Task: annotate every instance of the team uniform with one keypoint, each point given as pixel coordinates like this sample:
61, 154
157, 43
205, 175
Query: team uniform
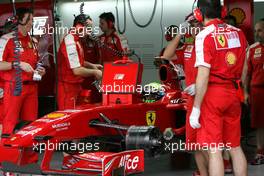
91, 54
70, 56
24, 106
90, 48
256, 73
112, 41
222, 48
1, 101
190, 78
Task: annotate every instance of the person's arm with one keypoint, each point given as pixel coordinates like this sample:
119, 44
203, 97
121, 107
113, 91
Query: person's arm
92, 66
204, 57
4, 66
246, 77
85, 72
169, 52
201, 85
6, 46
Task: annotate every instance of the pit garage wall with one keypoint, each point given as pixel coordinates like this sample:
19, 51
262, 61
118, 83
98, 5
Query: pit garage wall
146, 41
258, 11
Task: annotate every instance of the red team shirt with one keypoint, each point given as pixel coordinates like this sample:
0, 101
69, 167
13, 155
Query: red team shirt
256, 64
91, 53
256, 73
113, 41
222, 48
70, 56
188, 64
28, 54
189, 57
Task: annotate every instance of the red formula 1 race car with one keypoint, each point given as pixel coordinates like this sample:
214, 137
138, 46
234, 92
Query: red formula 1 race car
105, 139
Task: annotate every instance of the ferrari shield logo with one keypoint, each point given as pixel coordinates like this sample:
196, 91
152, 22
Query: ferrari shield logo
221, 40
151, 118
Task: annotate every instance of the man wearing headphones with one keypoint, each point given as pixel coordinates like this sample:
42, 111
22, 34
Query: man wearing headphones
193, 27
110, 38
72, 67
25, 105
220, 58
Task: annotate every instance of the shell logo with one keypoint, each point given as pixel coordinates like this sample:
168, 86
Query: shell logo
239, 14
231, 58
55, 115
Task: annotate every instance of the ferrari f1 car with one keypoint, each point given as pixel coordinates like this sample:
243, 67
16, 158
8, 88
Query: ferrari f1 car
116, 133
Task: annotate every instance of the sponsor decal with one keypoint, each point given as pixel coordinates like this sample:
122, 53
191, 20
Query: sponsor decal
189, 48
29, 128
221, 40
257, 53
129, 163
61, 126
119, 76
55, 115
13, 138
32, 132
239, 14
187, 55
233, 40
39, 24
231, 58
45, 120
151, 118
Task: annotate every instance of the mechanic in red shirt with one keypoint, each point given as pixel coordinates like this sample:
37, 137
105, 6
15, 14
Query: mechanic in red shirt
170, 34
255, 88
91, 54
111, 39
72, 67
24, 106
220, 58
1, 104
188, 61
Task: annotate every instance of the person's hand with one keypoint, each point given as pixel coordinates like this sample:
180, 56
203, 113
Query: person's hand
26, 67
98, 74
246, 98
190, 90
159, 60
98, 66
194, 118
1, 93
41, 71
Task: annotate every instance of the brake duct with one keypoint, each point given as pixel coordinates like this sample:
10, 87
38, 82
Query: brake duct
148, 138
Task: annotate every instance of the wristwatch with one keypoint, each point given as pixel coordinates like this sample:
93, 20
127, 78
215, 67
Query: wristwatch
15, 64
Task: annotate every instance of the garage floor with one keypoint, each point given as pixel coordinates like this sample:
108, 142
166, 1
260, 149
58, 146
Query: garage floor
180, 164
